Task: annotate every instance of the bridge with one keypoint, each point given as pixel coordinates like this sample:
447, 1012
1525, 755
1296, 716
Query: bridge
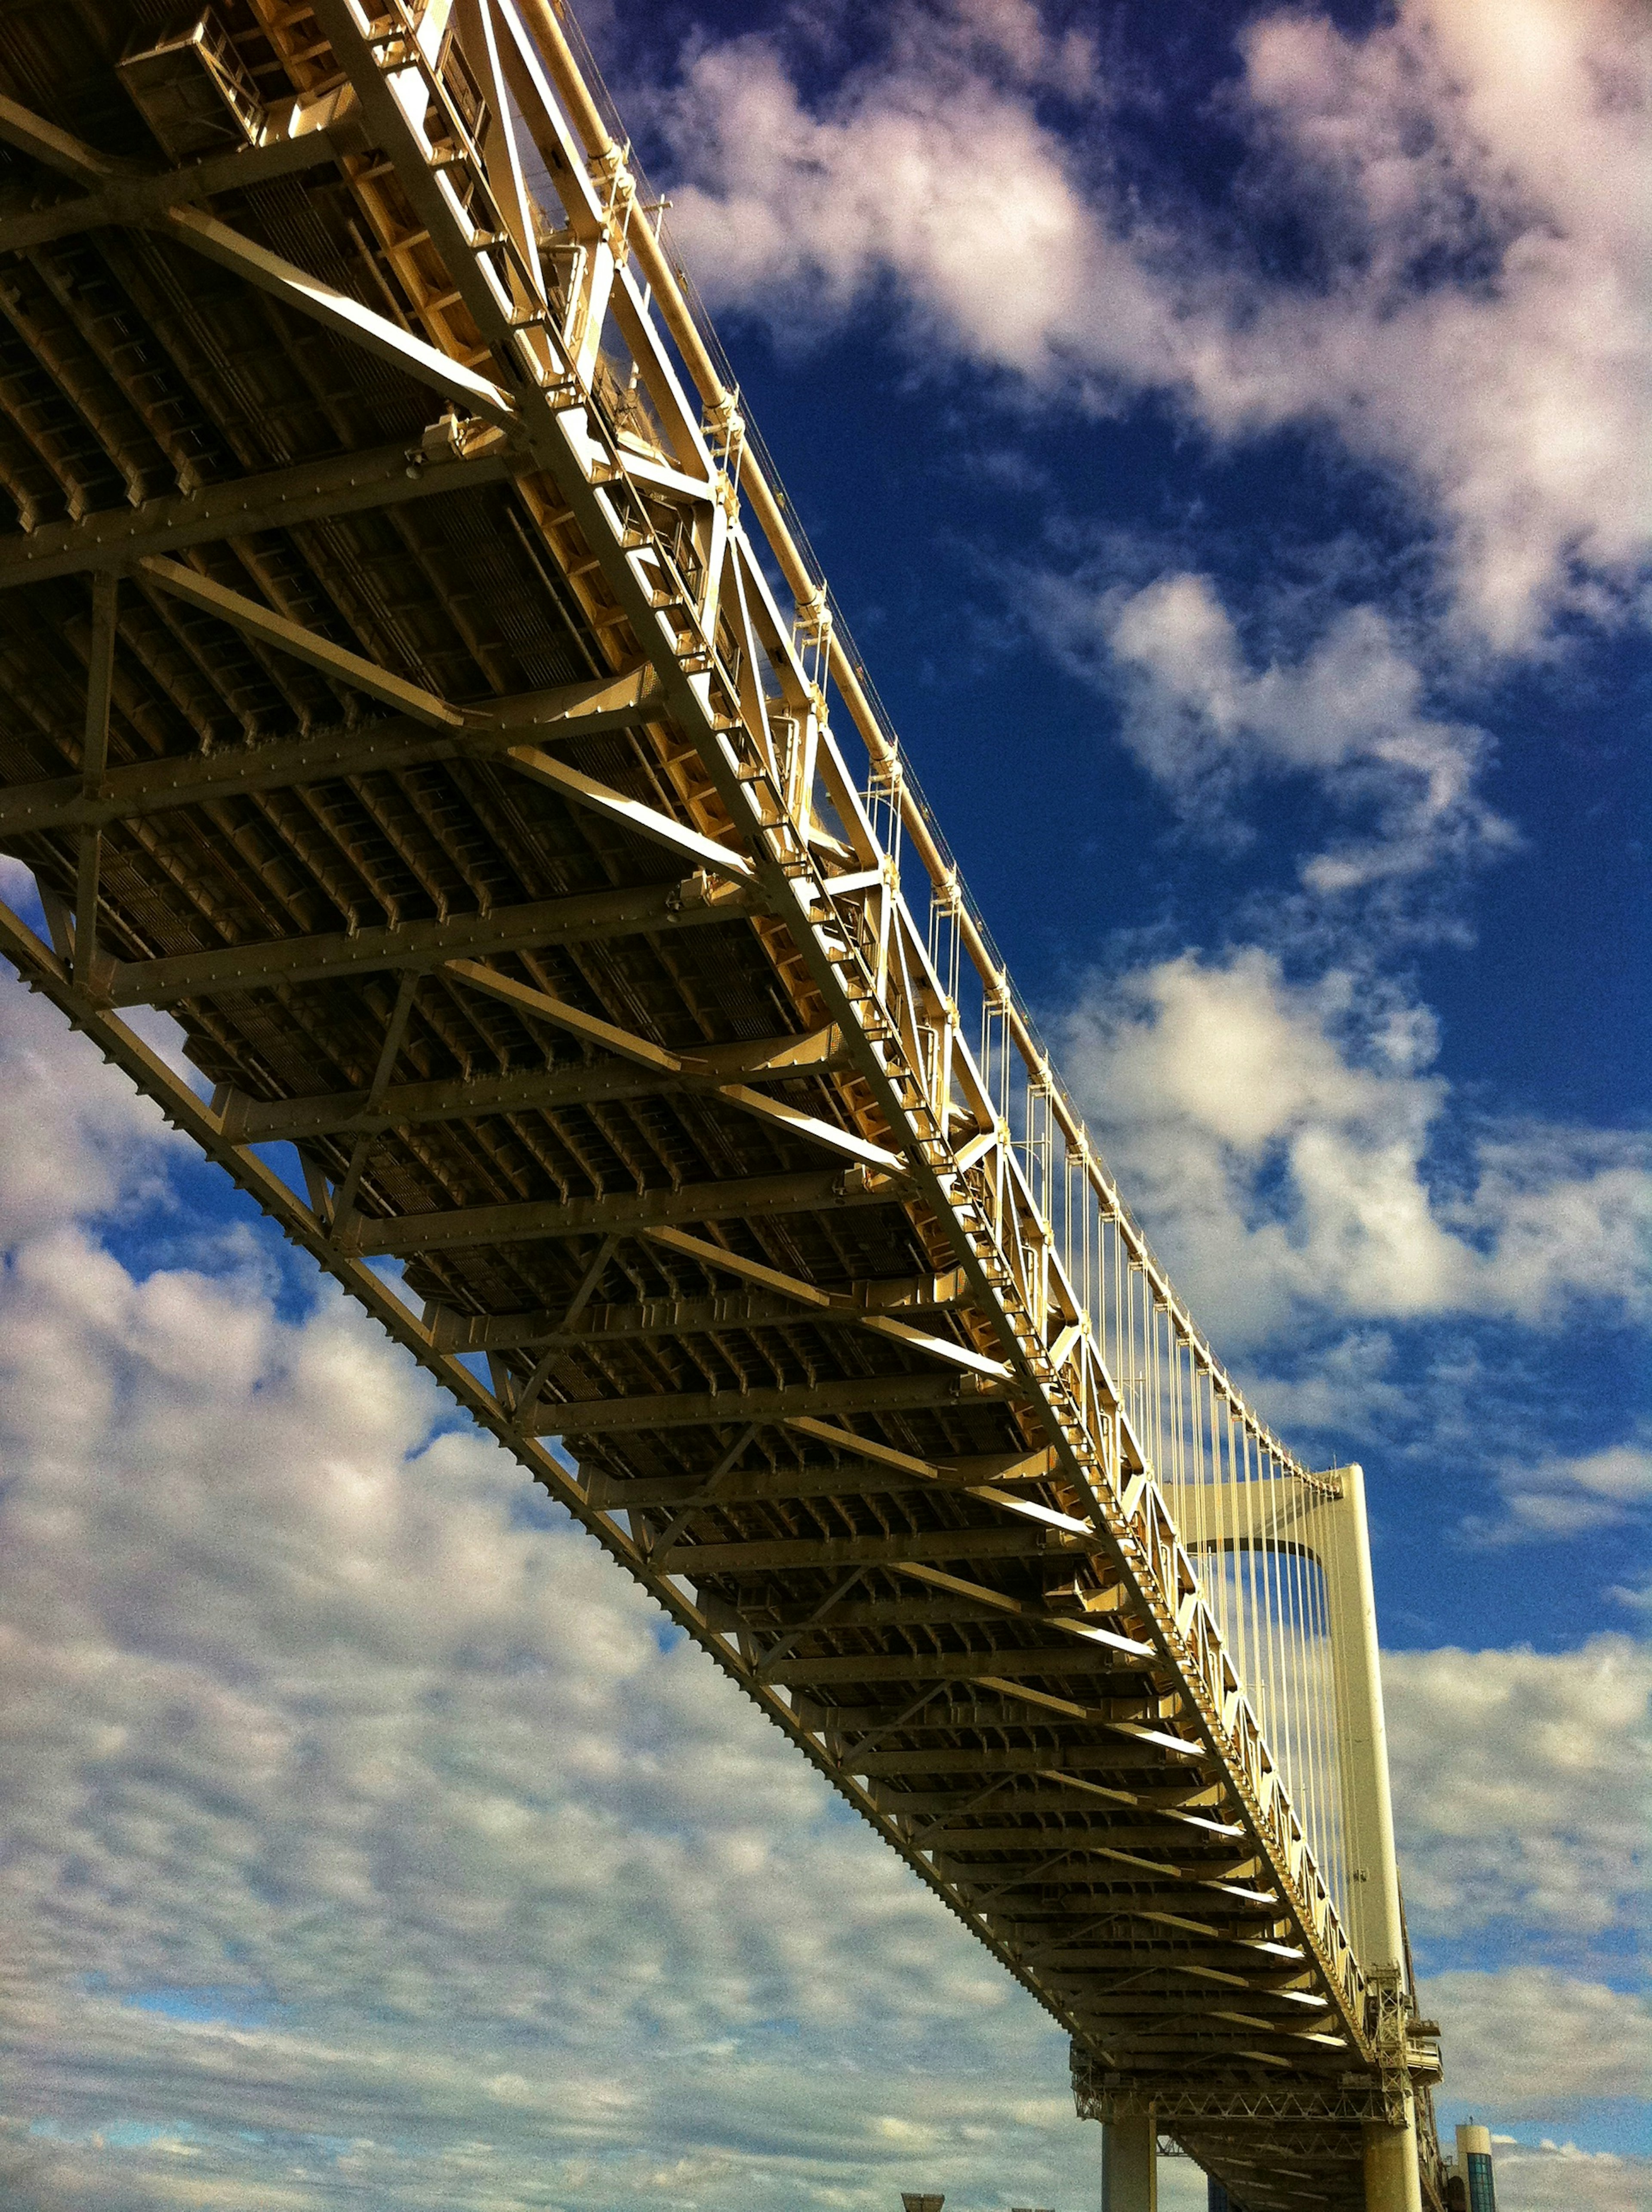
417, 683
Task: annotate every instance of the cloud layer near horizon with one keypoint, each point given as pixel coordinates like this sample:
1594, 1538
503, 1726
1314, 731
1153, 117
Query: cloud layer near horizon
371, 1831
374, 1840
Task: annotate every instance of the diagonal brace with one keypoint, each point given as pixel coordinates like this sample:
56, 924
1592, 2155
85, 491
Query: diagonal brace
181, 582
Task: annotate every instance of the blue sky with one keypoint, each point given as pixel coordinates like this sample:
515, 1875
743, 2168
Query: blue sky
1226, 430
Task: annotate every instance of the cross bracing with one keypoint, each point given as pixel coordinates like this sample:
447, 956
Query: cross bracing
416, 683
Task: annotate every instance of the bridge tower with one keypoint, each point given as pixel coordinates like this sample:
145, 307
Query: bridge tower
1327, 1527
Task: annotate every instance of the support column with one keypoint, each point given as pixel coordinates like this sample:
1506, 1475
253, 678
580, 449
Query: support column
1392, 2166
1130, 2165
1394, 2181
1345, 1548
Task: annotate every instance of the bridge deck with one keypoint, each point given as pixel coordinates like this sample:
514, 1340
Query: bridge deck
428, 743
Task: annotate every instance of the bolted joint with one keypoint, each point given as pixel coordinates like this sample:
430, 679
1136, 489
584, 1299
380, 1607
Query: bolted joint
813, 622
619, 188
723, 422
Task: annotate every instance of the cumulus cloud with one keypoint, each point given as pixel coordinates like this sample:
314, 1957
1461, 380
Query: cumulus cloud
1471, 313
1350, 714
98, 1140
372, 1834
1521, 1780
1548, 1496
931, 175
1557, 2177
368, 1834
1487, 310
1276, 1138
1537, 2043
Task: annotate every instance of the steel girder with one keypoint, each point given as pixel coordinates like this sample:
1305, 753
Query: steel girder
889, 1481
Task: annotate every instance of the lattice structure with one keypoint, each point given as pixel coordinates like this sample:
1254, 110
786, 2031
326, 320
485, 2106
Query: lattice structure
416, 684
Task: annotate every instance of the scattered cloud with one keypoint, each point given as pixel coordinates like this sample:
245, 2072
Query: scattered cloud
1484, 311
1558, 2177
1538, 2044
1344, 1384
1276, 1138
375, 1835
1545, 1497
1468, 313
1350, 714
101, 1141
1521, 1780
372, 1834
1636, 1596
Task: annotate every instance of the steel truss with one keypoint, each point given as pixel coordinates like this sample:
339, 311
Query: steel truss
848, 1347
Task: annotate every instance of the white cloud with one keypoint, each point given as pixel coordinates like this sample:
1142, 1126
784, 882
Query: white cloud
371, 1838
1350, 714
1551, 2177
1636, 1596
930, 172
65, 1141
1520, 1781
1474, 318
1275, 1139
1549, 1496
1503, 141
1349, 1385
1531, 2044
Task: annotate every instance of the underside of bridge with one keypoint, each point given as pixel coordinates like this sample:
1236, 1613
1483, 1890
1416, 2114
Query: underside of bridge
413, 683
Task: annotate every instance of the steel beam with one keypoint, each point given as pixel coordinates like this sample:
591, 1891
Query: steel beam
863, 1477
1043, 1662
588, 920
525, 999
1084, 1631
408, 1105
117, 192
852, 1305
720, 1260
1179, 2004
1012, 1708
945, 1808
275, 499
144, 788
1086, 1841
628, 1211
747, 1309
305, 295
266, 627
766, 1554
938, 1611
631, 814
797, 1123
622, 1324
399, 131
982, 1759
57, 148
95, 754
713, 1408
